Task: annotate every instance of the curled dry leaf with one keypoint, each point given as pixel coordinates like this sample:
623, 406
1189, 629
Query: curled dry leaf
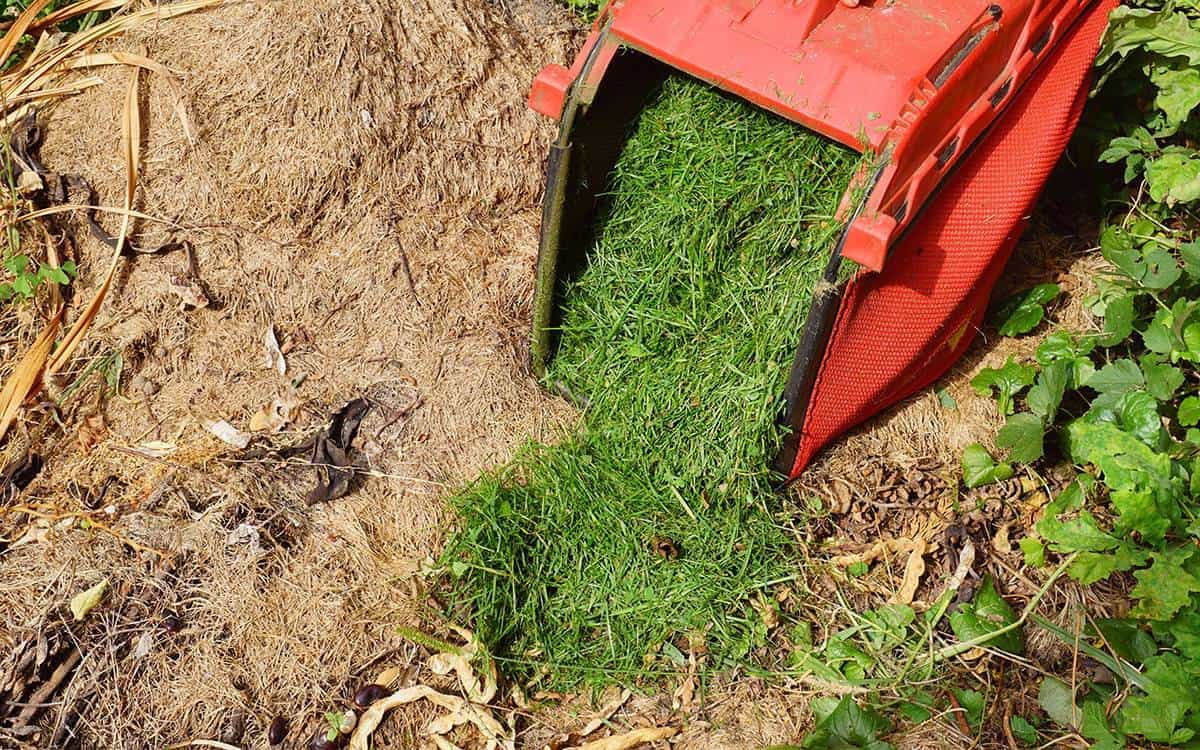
477, 689
914, 568
275, 359
92, 431
480, 716
227, 433
631, 739
273, 417
85, 601
606, 713
876, 551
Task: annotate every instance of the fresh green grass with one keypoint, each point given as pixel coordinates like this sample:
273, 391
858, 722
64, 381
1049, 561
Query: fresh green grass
680, 334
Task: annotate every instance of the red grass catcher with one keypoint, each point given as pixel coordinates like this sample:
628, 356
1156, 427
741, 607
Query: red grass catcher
968, 105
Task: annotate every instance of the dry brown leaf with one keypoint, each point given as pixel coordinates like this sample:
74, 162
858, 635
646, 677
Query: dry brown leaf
631, 739
98, 59
74, 10
683, 695
606, 713
479, 690
227, 433
457, 707
85, 601
20, 26
1001, 542
876, 551
276, 415
24, 378
914, 568
92, 431
274, 359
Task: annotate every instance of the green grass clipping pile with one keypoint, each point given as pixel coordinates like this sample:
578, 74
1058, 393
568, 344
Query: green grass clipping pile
654, 522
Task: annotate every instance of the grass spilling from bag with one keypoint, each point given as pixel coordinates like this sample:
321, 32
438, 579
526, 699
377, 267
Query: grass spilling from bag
654, 522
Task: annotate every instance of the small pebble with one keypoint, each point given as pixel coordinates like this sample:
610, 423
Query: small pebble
143, 385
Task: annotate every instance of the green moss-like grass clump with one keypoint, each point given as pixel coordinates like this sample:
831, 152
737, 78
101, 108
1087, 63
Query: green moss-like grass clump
653, 521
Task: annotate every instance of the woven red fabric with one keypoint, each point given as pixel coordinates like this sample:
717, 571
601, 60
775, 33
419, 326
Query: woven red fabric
899, 330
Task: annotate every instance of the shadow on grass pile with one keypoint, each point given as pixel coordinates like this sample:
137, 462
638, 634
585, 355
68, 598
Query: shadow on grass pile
654, 521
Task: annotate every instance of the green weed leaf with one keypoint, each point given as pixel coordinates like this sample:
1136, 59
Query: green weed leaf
1022, 312
1006, 381
843, 725
984, 615
1023, 436
979, 468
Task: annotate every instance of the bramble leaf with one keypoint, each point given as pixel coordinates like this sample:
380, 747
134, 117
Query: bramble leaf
1117, 376
1166, 586
1162, 379
1046, 395
1023, 436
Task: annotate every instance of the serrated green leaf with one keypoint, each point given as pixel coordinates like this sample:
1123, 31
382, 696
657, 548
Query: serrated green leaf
1023, 436
972, 703
1138, 512
1166, 586
1046, 395
1162, 270
1168, 34
1134, 412
1127, 639
946, 400
1174, 176
1033, 551
1172, 691
1162, 379
979, 468
1117, 376
1118, 320
1123, 459
16, 264
1023, 730
1057, 700
1117, 247
1189, 411
1095, 726
1178, 92
845, 725
1190, 253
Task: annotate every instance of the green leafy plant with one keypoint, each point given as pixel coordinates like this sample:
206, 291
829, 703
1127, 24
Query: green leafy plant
28, 277
1022, 312
1122, 402
844, 725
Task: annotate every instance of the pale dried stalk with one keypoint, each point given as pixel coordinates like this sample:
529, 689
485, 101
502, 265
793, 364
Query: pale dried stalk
131, 141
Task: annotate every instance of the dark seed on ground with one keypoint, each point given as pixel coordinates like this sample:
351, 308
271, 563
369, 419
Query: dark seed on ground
368, 694
320, 741
277, 732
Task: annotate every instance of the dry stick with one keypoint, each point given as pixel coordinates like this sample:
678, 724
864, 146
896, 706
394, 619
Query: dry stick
25, 377
13, 36
48, 687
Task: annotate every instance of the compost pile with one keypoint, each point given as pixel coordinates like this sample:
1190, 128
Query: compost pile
588, 554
